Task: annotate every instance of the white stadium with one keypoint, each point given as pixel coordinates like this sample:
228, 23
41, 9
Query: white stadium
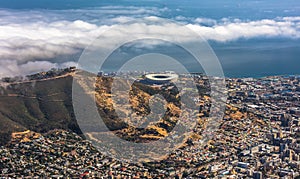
161, 78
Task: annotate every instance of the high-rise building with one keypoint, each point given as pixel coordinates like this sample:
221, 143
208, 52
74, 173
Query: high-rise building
257, 175
285, 120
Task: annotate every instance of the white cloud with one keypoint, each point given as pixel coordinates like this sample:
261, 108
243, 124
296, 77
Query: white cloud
205, 21
228, 31
29, 39
290, 18
12, 68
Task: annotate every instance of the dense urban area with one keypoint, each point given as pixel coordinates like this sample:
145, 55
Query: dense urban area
259, 137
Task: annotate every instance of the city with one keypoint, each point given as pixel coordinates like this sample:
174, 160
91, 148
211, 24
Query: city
257, 138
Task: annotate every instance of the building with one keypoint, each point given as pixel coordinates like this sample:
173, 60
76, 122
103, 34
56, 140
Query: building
257, 175
161, 78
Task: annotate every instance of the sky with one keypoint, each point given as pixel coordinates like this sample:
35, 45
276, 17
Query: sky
250, 37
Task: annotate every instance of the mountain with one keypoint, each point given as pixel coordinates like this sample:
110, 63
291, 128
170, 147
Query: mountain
43, 102
40, 103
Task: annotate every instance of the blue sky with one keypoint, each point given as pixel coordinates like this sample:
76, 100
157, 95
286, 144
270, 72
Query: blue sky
38, 35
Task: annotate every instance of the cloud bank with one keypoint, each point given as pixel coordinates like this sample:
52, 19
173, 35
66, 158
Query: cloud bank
28, 40
232, 30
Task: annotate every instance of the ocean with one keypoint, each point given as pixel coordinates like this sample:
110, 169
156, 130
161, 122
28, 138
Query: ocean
247, 55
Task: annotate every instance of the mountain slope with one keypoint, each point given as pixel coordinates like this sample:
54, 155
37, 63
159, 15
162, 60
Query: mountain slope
39, 105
